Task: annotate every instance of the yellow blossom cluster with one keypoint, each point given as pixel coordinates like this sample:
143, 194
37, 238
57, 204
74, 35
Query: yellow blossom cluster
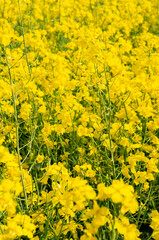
119, 192
155, 224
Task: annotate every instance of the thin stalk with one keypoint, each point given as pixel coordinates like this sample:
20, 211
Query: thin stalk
109, 123
25, 48
113, 236
17, 129
141, 207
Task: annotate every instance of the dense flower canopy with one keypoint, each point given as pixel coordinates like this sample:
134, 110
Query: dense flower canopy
79, 111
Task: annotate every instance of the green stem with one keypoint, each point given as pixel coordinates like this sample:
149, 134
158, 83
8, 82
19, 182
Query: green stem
17, 129
26, 54
108, 122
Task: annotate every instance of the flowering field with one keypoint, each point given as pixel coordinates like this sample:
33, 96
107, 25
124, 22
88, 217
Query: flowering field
79, 119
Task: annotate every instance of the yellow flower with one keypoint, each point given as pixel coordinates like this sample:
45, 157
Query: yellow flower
155, 224
125, 228
40, 158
